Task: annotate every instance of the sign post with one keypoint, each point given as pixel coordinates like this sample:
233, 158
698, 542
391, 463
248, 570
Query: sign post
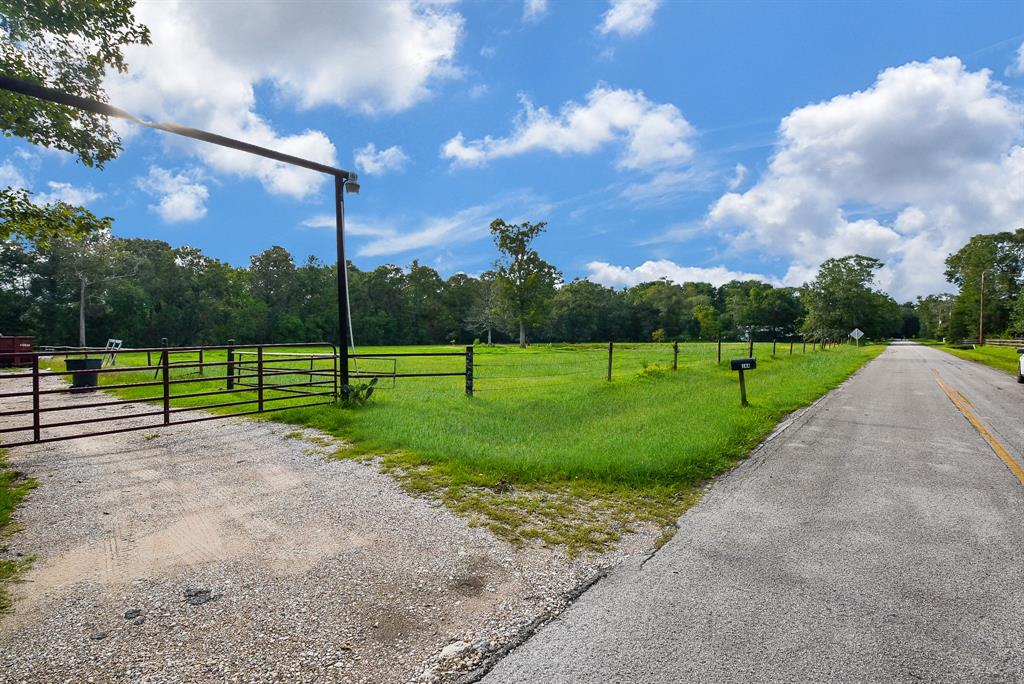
856, 334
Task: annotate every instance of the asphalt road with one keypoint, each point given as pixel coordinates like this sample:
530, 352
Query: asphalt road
879, 538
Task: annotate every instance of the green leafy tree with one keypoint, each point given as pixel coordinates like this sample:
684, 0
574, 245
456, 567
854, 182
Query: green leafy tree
709, 321
68, 45
842, 298
1000, 256
526, 283
42, 224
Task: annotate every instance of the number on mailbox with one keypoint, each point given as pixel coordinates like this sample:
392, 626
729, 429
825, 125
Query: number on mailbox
744, 364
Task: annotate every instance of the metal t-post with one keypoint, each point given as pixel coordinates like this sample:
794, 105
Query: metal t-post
339, 202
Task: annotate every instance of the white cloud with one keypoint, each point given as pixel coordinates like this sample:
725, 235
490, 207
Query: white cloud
628, 17
611, 275
354, 228
739, 175
1017, 68
534, 10
654, 135
182, 196
478, 91
462, 226
377, 162
931, 144
10, 176
68, 193
207, 58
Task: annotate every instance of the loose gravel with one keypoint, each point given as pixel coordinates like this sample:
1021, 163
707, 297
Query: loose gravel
229, 551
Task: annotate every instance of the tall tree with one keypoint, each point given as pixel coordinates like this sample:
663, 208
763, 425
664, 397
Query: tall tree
842, 298
1000, 257
526, 283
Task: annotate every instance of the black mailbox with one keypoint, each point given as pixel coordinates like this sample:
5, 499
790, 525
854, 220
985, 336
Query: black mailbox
744, 364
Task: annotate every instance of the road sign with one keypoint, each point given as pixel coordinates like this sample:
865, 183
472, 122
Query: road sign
856, 334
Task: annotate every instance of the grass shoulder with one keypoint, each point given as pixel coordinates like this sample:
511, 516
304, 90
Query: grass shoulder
14, 487
1005, 359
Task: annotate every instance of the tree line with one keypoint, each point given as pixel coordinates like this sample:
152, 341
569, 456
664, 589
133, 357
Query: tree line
988, 271
84, 290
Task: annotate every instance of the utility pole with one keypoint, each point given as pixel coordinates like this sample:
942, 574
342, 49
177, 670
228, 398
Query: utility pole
981, 311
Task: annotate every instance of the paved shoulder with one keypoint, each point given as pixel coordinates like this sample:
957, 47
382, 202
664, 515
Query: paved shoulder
879, 538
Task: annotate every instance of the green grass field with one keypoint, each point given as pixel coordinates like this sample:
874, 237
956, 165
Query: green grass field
546, 419
1002, 358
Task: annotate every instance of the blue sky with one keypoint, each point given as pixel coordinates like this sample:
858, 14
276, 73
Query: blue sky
657, 139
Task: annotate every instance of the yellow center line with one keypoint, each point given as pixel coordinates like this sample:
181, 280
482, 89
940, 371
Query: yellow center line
959, 401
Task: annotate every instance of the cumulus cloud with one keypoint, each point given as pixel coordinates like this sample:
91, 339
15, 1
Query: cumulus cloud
181, 196
68, 193
377, 162
628, 17
906, 171
653, 136
611, 275
534, 10
207, 57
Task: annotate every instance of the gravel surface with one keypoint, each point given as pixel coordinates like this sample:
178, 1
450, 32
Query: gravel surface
226, 551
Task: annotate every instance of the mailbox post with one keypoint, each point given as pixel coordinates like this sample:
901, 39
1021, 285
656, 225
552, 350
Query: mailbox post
741, 365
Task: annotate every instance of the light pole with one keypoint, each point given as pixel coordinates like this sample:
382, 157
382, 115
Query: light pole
981, 310
341, 186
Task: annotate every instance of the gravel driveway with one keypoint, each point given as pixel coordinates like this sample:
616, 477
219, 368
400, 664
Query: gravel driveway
227, 551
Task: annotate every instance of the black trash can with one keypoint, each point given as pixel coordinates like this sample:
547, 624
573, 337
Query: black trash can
84, 382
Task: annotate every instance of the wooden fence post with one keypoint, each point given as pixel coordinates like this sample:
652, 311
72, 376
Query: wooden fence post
719, 350
469, 371
201, 369
611, 346
675, 355
773, 348
791, 346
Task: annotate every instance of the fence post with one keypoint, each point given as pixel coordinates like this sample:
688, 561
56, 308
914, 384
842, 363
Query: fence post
231, 365
166, 369
611, 346
675, 355
719, 350
791, 346
469, 370
201, 369
35, 398
259, 377
773, 348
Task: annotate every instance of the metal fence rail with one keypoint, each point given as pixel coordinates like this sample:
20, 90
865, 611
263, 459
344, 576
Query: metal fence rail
299, 379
